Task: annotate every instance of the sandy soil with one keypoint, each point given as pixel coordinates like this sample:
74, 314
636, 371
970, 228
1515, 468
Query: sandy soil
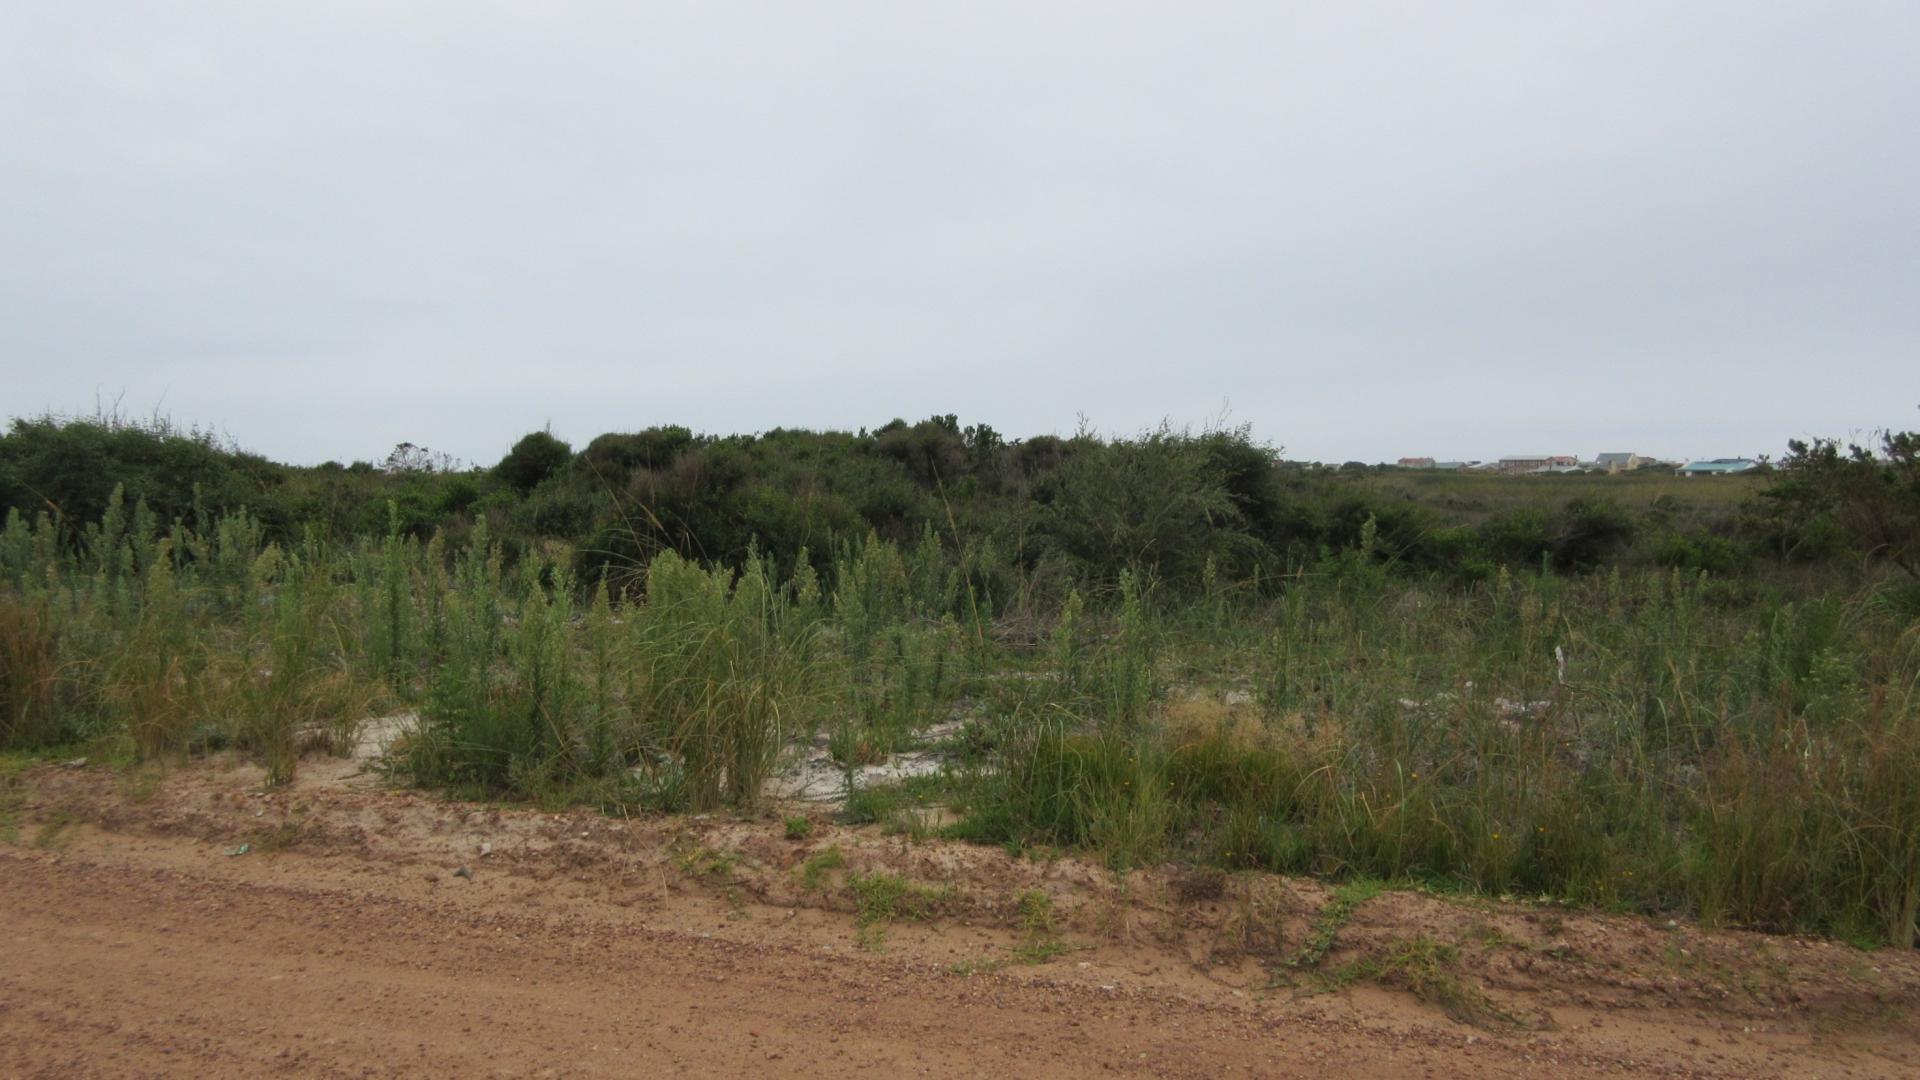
365, 931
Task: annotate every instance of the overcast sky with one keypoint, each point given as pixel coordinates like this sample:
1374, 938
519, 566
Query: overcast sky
1366, 229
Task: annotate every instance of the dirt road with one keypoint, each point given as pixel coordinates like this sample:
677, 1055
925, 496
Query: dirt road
343, 943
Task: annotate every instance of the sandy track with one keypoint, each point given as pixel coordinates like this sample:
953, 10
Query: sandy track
116, 969
135, 947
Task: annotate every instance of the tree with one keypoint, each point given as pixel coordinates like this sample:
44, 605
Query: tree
408, 458
614, 455
1872, 496
933, 451
535, 457
70, 468
1156, 503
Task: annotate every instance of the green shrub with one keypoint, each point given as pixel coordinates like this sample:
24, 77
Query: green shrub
1699, 551
536, 457
1589, 532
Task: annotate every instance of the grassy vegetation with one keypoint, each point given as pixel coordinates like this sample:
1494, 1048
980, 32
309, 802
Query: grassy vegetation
1430, 971
882, 898
1538, 699
705, 862
1338, 912
816, 867
11, 795
1476, 496
1040, 939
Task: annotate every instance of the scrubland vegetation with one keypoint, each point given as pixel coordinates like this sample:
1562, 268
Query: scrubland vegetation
1697, 697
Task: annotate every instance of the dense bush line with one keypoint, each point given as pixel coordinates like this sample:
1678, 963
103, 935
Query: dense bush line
1045, 512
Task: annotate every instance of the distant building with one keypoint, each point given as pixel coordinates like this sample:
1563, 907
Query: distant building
1415, 463
1537, 463
1725, 466
1619, 462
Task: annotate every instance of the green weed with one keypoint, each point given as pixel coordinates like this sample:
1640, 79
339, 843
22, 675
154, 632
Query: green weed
706, 862
1430, 971
881, 898
1338, 911
1040, 939
815, 868
52, 834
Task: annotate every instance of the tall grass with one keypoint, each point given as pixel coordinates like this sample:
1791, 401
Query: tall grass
157, 640
1744, 749
1654, 742
726, 667
29, 673
686, 699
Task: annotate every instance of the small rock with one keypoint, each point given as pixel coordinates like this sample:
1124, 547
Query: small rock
486, 849
464, 872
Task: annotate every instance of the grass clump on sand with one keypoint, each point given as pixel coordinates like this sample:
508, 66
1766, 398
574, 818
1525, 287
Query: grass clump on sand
815, 868
881, 898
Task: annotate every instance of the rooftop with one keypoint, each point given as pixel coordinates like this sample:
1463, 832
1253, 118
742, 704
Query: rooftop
1720, 465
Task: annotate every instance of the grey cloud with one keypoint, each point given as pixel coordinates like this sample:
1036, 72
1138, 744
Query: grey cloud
1367, 229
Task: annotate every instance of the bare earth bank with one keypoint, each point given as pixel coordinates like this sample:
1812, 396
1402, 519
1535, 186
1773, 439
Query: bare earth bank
363, 931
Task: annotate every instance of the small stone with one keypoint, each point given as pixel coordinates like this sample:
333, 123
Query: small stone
464, 872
